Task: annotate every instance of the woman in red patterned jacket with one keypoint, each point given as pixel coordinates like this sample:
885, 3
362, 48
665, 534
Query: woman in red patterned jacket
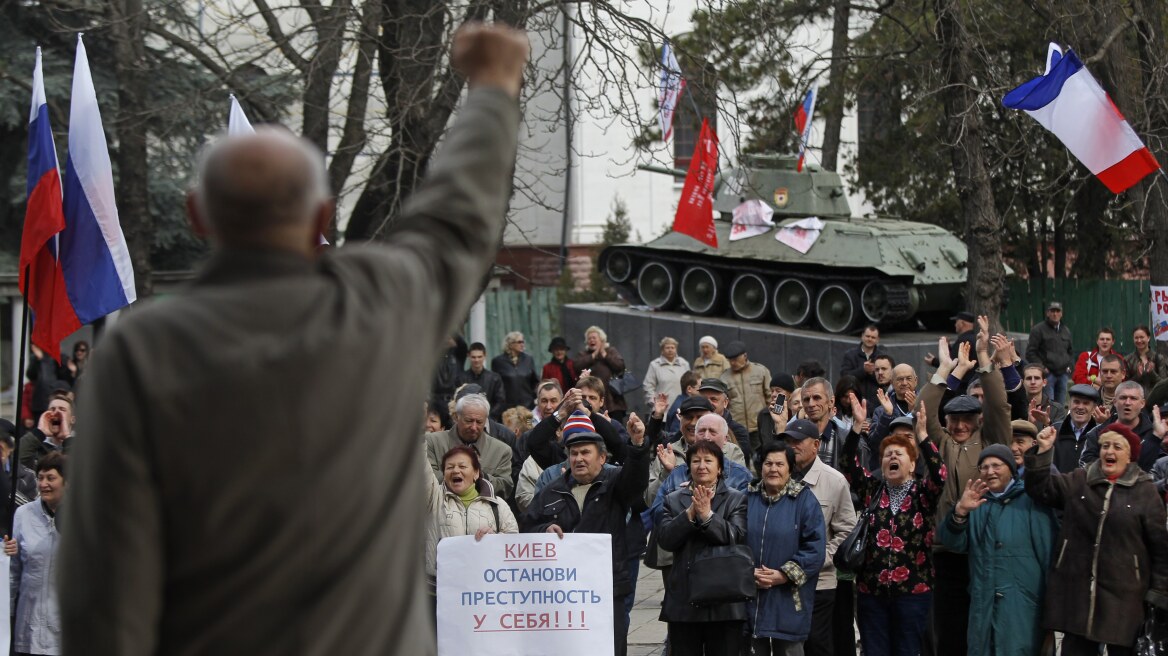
896, 582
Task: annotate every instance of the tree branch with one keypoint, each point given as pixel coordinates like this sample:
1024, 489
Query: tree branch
282, 42
1132, 21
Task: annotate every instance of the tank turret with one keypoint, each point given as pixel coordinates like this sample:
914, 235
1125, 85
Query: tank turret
858, 270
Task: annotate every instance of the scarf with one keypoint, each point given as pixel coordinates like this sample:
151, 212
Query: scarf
565, 372
791, 489
896, 495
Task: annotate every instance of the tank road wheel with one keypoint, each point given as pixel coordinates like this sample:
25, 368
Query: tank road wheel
701, 290
657, 285
874, 301
792, 302
749, 296
837, 308
618, 267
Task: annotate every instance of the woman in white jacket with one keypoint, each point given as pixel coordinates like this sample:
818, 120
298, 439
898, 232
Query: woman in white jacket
464, 503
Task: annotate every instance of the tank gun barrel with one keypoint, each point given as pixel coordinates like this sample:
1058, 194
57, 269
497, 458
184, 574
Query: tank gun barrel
665, 170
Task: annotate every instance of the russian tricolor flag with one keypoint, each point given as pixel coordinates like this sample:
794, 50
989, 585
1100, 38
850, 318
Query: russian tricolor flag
803, 123
53, 315
94, 257
1068, 101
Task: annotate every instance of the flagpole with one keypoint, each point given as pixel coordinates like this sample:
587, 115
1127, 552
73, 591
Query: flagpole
14, 474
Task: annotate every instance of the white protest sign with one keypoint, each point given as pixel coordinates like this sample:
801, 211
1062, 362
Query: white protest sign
525, 593
1160, 313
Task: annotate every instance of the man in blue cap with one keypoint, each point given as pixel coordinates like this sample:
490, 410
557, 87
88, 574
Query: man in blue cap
592, 498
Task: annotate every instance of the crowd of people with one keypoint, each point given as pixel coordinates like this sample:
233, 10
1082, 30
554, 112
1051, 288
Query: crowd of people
1009, 497
974, 520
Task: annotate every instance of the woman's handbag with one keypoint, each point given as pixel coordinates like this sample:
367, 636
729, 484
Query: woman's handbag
1153, 640
850, 555
721, 574
624, 383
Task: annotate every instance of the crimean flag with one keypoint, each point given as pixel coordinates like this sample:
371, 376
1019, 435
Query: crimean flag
53, 315
803, 123
671, 87
695, 210
94, 256
1069, 102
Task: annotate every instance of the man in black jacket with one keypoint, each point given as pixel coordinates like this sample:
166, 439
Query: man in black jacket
591, 499
860, 363
1073, 431
1049, 347
489, 381
1129, 411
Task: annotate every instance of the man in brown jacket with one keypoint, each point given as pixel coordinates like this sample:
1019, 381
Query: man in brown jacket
968, 429
248, 481
750, 387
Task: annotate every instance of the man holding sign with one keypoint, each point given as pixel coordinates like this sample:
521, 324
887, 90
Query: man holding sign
589, 498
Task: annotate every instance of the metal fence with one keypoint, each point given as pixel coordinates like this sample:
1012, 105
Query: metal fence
536, 314
1088, 305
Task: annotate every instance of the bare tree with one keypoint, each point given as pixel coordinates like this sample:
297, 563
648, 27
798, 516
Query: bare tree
983, 225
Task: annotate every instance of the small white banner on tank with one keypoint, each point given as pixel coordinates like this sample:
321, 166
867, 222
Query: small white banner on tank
751, 219
801, 235
1160, 312
520, 594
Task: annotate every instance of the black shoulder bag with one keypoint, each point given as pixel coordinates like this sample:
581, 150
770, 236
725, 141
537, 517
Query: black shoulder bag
850, 555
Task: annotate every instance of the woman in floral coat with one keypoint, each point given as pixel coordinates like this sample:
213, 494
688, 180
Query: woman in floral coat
896, 582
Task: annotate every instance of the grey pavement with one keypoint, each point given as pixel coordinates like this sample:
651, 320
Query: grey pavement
646, 632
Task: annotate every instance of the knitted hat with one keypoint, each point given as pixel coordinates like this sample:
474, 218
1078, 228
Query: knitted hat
1119, 430
580, 427
708, 340
1001, 452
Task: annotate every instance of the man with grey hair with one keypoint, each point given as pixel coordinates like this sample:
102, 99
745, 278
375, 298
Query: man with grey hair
310, 541
819, 408
471, 415
1129, 411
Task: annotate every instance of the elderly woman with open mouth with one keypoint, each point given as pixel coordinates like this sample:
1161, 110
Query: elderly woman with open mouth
895, 584
1112, 553
1009, 538
464, 503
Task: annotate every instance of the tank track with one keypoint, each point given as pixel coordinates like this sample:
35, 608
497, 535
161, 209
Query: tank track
899, 307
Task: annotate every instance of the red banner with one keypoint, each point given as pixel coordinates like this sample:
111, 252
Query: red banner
695, 211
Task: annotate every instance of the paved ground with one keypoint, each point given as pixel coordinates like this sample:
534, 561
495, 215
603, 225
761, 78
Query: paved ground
646, 632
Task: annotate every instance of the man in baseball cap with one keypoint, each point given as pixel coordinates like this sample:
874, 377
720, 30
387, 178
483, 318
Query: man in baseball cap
839, 518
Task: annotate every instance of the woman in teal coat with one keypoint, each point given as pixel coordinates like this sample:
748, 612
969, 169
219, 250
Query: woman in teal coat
1009, 538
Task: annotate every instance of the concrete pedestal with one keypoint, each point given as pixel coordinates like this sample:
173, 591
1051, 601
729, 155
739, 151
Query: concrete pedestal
636, 334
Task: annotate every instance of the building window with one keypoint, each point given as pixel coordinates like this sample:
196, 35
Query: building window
687, 124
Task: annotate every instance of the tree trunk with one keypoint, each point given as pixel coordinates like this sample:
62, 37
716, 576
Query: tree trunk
1151, 43
128, 20
833, 109
983, 225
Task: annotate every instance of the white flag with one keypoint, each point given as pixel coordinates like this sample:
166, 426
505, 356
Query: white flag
237, 123
672, 85
239, 126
